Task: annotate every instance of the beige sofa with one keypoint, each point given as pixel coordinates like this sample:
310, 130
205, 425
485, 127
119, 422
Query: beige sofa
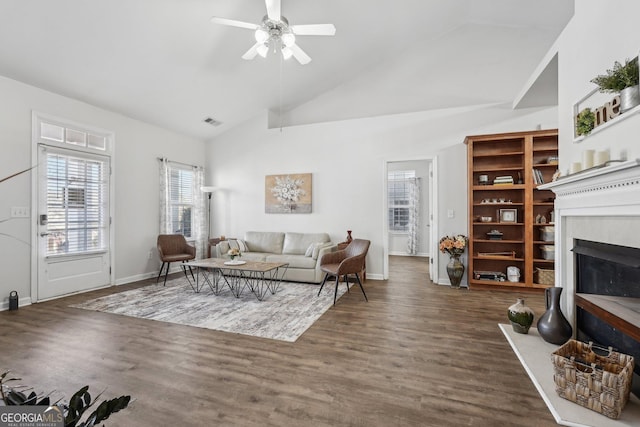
302, 251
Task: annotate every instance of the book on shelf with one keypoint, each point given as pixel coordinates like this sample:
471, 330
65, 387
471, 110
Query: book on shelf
537, 176
503, 180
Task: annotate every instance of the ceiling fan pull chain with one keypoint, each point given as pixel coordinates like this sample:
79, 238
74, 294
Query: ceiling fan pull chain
281, 71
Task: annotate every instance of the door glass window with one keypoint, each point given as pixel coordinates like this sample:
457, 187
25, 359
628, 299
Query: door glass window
76, 203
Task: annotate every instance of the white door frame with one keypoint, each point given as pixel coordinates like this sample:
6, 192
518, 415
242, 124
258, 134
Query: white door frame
433, 194
35, 142
434, 244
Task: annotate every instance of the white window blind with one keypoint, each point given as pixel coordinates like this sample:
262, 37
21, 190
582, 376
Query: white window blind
399, 201
77, 196
182, 201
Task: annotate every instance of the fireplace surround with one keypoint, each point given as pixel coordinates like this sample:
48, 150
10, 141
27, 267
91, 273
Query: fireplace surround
608, 298
596, 205
597, 214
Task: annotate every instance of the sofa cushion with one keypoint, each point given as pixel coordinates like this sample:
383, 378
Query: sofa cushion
295, 261
298, 243
264, 241
253, 256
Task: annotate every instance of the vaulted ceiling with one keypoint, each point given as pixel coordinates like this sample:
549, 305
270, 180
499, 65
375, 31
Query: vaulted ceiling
164, 62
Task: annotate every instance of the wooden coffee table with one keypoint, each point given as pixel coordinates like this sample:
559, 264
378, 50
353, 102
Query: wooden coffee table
257, 276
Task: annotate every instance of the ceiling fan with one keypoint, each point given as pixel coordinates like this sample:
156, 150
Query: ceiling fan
275, 33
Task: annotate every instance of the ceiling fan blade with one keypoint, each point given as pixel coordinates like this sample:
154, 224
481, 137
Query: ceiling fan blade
234, 23
299, 54
273, 9
251, 53
314, 30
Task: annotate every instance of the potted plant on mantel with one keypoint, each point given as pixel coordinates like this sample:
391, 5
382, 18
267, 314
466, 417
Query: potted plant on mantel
585, 122
623, 79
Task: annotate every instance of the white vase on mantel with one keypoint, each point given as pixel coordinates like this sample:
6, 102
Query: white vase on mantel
629, 98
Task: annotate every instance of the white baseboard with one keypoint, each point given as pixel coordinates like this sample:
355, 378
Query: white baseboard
145, 276
419, 254
444, 282
136, 278
23, 301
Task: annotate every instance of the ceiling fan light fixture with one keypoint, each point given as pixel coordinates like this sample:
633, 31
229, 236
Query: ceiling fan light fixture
288, 39
286, 52
263, 49
261, 35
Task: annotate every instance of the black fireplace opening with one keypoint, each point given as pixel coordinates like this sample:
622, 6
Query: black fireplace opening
612, 271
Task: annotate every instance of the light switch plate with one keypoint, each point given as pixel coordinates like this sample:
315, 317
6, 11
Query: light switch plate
19, 212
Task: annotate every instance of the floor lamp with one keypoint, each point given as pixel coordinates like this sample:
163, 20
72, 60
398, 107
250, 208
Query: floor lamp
209, 191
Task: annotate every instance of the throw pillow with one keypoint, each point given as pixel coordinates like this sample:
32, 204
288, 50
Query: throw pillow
233, 244
223, 247
242, 245
309, 250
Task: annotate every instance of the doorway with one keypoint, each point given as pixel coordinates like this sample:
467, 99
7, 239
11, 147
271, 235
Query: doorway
410, 222
72, 230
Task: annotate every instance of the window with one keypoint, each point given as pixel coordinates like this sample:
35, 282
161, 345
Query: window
77, 203
181, 201
52, 132
399, 202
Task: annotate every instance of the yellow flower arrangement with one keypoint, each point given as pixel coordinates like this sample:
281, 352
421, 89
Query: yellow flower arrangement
234, 252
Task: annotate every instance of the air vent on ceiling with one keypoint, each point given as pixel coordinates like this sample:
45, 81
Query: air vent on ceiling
212, 121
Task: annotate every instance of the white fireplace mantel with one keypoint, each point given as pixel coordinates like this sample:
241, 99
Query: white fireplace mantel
610, 186
600, 204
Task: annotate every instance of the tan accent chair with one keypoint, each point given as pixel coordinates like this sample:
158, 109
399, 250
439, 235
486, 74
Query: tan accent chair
349, 260
174, 248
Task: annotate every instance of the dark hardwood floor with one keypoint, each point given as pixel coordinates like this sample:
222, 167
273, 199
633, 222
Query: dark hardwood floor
417, 354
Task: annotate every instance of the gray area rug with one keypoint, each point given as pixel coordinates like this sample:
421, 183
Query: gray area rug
283, 316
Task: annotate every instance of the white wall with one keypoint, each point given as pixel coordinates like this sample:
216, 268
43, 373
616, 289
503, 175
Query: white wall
346, 159
398, 241
598, 35
135, 163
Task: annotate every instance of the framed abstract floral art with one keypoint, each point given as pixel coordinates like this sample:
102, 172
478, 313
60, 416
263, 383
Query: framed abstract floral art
287, 193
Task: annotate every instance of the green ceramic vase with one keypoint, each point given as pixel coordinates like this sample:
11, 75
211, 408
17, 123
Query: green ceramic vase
520, 316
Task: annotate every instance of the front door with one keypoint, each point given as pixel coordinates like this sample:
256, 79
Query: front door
73, 222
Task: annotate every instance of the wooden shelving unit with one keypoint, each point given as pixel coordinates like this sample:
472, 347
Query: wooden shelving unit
511, 154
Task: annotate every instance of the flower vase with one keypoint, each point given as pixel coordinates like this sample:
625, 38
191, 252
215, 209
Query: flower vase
520, 316
629, 98
553, 327
455, 270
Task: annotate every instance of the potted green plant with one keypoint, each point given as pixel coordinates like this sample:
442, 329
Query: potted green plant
585, 122
72, 412
623, 79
